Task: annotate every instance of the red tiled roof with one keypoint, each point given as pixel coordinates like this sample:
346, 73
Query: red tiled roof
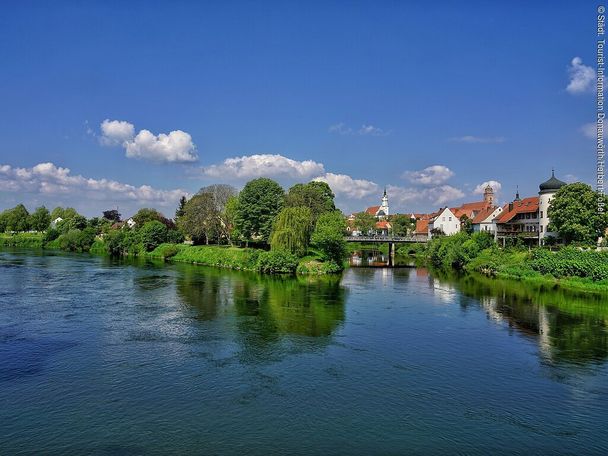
525, 206
484, 214
422, 226
372, 210
383, 225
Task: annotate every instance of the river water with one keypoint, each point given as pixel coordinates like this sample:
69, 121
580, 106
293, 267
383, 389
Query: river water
101, 356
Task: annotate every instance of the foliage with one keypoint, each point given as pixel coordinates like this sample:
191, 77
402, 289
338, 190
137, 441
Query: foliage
223, 257
50, 235
40, 219
458, 250
259, 203
402, 224
466, 224
76, 240
152, 234
146, 215
179, 212
200, 220
571, 262
316, 196
277, 262
114, 242
364, 222
574, 215
315, 267
328, 236
29, 240
15, 219
112, 215
292, 230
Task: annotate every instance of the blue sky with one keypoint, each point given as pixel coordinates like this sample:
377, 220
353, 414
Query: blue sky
361, 94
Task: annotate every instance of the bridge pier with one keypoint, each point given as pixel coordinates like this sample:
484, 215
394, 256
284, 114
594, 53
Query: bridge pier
391, 254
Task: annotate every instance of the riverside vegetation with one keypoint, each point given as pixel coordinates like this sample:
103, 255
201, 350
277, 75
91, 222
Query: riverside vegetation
569, 266
262, 229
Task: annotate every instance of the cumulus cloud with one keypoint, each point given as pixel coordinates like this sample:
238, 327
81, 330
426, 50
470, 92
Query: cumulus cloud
50, 180
365, 130
497, 186
116, 132
478, 139
432, 175
436, 196
264, 165
589, 130
175, 147
582, 77
342, 184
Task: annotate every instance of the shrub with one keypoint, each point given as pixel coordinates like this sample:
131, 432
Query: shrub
77, 240
153, 234
277, 262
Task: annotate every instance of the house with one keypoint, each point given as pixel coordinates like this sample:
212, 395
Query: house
519, 219
130, 222
528, 218
485, 219
383, 228
421, 231
446, 221
55, 222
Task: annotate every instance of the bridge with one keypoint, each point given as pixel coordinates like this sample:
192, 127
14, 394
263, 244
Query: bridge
383, 239
390, 240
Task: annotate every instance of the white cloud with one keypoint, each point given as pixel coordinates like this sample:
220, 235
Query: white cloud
116, 132
432, 175
365, 130
436, 196
174, 147
497, 186
582, 77
571, 178
342, 184
51, 181
264, 165
478, 139
589, 130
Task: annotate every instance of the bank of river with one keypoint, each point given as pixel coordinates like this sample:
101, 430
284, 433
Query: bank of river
119, 356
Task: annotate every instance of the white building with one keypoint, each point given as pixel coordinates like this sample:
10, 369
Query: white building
485, 220
446, 221
545, 195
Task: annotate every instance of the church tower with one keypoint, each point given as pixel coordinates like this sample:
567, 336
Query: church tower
384, 206
488, 195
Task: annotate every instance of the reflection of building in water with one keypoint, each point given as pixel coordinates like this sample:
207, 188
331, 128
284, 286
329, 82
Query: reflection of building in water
445, 291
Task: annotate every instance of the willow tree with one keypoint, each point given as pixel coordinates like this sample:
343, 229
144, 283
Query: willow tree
291, 230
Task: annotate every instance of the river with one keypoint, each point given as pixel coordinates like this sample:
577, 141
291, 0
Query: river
103, 356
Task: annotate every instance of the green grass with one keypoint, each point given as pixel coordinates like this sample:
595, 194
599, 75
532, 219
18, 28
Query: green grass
29, 240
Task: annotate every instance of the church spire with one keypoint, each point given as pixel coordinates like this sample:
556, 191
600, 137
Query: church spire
517, 198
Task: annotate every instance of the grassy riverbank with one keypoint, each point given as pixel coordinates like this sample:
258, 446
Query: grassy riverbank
26, 240
568, 267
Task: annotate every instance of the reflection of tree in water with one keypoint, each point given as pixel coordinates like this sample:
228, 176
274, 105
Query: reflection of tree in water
266, 308
285, 305
569, 326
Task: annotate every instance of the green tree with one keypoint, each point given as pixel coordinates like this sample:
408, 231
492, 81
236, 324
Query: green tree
153, 234
328, 236
179, 212
17, 219
259, 203
364, 222
466, 224
574, 214
112, 215
229, 217
201, 219
40, 219
146, 215
402, 224
292, 230
317, 196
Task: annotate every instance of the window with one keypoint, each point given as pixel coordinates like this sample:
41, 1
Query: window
450, 219
541, 214
541, 228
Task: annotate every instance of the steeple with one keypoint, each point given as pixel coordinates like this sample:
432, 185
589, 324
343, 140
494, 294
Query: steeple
517, 198
488, 195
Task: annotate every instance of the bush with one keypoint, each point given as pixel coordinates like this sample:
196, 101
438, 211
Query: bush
277, 262
328, 236
153, 234
77, 240
571, 262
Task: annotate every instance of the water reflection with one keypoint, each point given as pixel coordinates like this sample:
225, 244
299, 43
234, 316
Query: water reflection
569, 327
311, 306
377, 259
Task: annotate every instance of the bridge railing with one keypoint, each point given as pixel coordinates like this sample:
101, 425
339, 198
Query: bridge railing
384, 239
